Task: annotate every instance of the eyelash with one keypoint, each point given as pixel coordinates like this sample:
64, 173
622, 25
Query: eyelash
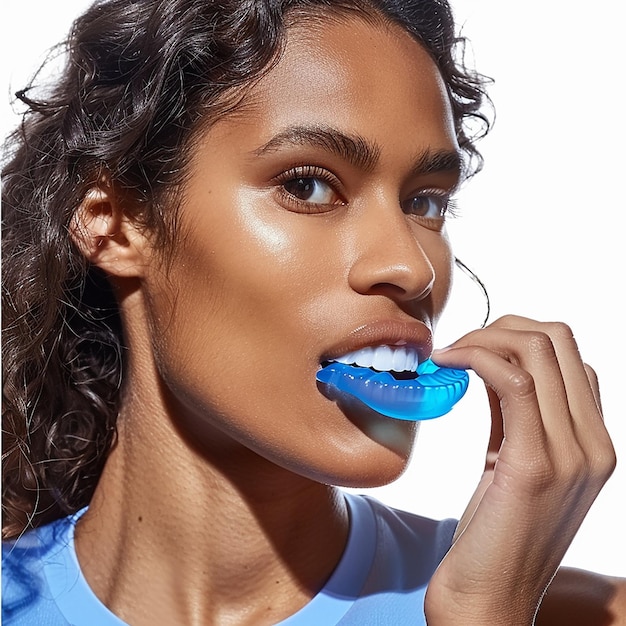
453, 209
450, 205
437, 223
315, 172
308, 172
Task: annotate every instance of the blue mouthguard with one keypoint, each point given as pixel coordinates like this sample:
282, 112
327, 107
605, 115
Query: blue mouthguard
432, 394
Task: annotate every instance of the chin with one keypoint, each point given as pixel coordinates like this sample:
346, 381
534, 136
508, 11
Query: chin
379, 454
369, 465
369, 481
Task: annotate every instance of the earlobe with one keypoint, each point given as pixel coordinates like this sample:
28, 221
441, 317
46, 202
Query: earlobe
107, 235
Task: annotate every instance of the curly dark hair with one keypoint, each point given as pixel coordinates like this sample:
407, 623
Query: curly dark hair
140, 76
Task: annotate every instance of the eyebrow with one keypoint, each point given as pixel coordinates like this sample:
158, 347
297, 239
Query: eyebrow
357, 150
435, 161
353, 148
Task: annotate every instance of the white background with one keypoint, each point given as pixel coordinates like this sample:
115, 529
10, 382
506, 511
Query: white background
541, 225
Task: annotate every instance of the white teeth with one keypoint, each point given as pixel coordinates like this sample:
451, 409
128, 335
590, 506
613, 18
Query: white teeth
383, 358
364, 357
399, 358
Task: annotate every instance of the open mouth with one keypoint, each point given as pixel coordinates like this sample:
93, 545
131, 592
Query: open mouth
390, 381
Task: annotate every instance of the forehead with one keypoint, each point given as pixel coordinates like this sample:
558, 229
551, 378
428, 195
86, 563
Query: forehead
357, 75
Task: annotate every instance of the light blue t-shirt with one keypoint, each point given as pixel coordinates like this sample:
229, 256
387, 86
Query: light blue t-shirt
380, 580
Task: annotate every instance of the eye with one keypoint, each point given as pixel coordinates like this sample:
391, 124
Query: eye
310, 189
427, 204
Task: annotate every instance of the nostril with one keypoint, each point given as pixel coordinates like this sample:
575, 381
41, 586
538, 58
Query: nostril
400, 292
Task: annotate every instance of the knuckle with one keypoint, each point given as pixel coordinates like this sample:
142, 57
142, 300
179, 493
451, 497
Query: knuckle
604, 462
571, 469
539, 344
567, 472
559, 331
539, 474
521, 383
575, 464
593, 467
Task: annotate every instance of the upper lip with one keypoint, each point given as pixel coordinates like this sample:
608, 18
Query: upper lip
413, 334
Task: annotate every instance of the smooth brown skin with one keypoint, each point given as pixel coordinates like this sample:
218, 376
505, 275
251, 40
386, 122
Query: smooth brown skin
548, 449
214, 506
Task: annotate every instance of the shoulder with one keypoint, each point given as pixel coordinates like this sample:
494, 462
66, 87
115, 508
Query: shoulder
428, 535
389, 559
579, 597
406, 545
26, 594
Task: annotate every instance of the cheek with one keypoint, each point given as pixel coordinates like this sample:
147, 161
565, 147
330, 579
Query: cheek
263, 395
237, 326
235, 307
439, 252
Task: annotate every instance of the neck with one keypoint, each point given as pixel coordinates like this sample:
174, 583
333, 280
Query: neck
176, 534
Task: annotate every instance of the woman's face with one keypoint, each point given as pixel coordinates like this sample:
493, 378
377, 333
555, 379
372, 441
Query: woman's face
312, 226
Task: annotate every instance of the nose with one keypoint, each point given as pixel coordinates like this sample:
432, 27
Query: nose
389, 259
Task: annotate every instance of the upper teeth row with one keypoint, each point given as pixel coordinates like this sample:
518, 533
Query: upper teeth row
383, 358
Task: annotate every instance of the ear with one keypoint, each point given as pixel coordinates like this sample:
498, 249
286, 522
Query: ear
107, 235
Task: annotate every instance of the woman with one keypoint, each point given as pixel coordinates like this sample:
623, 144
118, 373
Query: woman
214, 202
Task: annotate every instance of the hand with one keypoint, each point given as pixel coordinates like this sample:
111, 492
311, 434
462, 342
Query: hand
549, 455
